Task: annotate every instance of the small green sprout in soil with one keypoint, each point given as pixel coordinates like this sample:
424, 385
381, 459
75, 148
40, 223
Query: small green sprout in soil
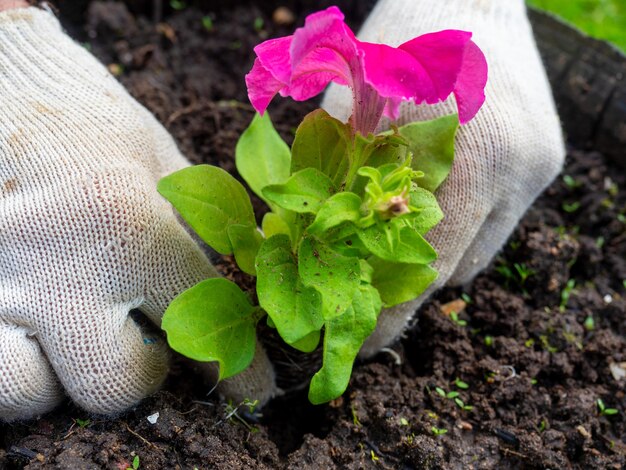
529, 343
604, 411
438, 431
589, 323
569, 208
454, 395
455, 318
355, 417
373, 456
445, 394
82, 423
523, 272
178, 5
207, 23
515, 244
466, 298
542, 426
258, 24
600, 242
135, 464
565, 294
489, 341
404, 422
461, 404
570, 182
232, 412
460, 384
545, 343
518, 275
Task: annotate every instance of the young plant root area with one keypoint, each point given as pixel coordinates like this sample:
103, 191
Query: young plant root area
535, 361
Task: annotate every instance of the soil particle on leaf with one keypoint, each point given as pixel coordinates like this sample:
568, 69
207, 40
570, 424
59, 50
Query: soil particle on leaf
542, 325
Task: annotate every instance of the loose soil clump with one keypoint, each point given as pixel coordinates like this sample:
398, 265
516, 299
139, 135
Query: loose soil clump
532, 345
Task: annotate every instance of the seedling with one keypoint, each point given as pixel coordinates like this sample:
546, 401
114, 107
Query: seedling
438, 431
82, 423
404, 422
570, 182
545, 342
466, 298
518, 275
460, 384
207, 23
488, 341
455, 318
135, 464
573, 207
355, 417
566, 293
258, 24
604, 411
454, 395
373, 456
523, 272
178, 4
589, 323
349, 209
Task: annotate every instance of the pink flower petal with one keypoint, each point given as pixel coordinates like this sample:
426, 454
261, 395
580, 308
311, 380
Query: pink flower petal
315, 72
274, 55
392, 108
262, 86
325, 47
469, 89
441, 55
395, 73
428, 69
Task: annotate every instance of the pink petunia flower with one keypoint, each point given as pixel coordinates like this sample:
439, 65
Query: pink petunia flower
426, 69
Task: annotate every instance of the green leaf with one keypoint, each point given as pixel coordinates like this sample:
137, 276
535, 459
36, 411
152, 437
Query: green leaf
322, 142
308, 343
398, 282
245, 240
213, 321
295, 310
374, 151
410, 247
430, 214
432, 145
273, 224
332, 274
210, 200
342, 207
261, 156
304, 192
343, 338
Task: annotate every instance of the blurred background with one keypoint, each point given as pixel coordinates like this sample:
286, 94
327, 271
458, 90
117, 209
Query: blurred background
602, 19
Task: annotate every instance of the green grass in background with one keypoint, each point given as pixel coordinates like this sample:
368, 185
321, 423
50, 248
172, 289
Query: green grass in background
602, 19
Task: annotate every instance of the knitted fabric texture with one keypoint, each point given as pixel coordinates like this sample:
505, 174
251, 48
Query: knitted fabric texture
505, 156
84, 236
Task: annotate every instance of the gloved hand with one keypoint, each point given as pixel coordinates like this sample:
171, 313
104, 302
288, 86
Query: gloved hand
84, 235
505, 156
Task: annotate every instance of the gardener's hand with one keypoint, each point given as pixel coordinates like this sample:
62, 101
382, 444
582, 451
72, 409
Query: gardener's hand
84, 236
505, 156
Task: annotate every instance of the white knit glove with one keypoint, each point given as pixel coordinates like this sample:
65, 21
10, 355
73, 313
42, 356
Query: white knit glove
505, 156
84, 236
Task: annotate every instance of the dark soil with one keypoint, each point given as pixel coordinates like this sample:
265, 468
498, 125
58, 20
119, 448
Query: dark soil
535, 362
